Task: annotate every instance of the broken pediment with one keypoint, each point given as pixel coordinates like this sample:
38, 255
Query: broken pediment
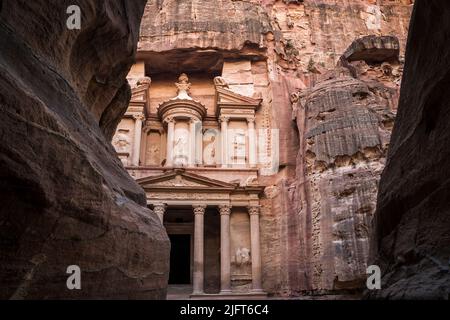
139, 94
227, 98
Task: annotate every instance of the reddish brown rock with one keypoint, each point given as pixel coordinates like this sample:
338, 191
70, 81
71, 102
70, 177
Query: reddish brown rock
291, 46
66, 198
411, 241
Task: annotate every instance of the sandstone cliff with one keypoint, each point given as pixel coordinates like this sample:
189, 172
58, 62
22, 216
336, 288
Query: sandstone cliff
66, 199
344, 123
411, 241
315, 216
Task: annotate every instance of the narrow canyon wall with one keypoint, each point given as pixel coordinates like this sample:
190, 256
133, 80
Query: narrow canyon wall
66, 198
411, 241
332, 145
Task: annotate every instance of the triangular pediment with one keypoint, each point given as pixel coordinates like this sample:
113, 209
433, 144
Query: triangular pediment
226, 97
180, 179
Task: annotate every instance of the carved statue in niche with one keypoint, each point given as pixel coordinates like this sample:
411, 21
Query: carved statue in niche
209, 151
242, 257
180, 148
153, 155
122, 141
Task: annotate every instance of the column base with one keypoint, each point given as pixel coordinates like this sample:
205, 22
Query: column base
226, 291
197, 293
230, 296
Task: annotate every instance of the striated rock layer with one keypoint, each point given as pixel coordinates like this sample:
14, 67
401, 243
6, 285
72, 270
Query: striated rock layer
411, 240
66, 199
344, 123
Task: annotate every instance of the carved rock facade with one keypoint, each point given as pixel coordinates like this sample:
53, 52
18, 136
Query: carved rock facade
323, 75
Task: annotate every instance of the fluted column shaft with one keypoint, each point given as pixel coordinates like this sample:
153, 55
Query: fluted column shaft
251, 142
225, 254
137, 139
255, 248
170, 139
199, 266
192, 142
224, 135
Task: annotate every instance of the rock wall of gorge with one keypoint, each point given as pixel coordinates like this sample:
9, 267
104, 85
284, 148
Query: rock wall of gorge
345, 122
334, 130
66, 198
412, 222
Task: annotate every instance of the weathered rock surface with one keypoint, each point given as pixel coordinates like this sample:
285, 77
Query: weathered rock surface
344, 124
66, 199
412, 221
319, 205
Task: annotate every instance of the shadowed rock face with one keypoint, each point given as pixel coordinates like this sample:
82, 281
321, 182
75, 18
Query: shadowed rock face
412, 222
66, 199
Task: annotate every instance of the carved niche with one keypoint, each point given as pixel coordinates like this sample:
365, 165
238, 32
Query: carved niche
210, 144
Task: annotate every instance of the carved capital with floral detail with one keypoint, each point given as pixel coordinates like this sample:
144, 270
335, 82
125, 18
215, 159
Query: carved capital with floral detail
224, 119
199, 209
159, 208
253, 210
139, 117
225, 209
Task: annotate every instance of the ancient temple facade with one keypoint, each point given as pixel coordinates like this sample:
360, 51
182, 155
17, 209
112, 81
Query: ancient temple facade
198, 148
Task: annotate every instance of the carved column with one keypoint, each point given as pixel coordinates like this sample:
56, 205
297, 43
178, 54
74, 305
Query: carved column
225, 255
160, 210
143, 157
192, 142
199, 144
199, 267
251, 142
255, 248
137, 138
170, 138
224, 135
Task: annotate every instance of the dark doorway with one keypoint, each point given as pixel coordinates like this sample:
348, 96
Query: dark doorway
180, 259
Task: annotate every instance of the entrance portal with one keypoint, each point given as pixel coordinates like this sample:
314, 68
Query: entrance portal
180, 259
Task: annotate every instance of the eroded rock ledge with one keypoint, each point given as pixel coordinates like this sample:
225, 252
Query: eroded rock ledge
66, 199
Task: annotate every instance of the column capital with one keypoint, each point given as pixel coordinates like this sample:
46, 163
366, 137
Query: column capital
253, 209
199, 209
169, 120
146, 128
225, 119
251, 119
140, 117
159, 207
225, 209
194, 120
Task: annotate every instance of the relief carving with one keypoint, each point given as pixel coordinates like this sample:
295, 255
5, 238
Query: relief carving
122, 141
209, 151
154, 155
242, 256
